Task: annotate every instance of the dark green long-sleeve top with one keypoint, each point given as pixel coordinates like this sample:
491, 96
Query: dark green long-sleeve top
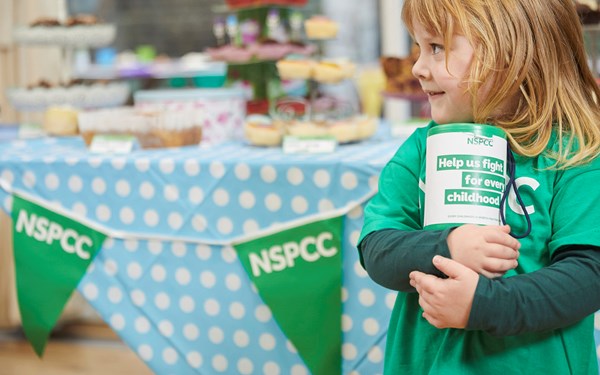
558, 295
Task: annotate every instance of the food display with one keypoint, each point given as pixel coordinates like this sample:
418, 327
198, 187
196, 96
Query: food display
324, 71
152, 129
251, 37
43, 94
77, 31
317, 117
269, 132
345, 130
61, 101
246, 40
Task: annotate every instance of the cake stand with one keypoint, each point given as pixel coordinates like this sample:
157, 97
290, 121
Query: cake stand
68, 39
324, 116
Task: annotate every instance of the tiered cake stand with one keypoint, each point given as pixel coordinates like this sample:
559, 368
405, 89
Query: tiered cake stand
77, 95
321, 116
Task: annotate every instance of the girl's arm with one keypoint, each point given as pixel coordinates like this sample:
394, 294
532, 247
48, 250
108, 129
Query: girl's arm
389, 255
553, 297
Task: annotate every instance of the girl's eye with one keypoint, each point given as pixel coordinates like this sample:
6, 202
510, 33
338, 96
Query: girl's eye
436, 48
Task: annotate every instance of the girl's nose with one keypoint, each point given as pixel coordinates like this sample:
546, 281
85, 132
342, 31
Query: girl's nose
419, 70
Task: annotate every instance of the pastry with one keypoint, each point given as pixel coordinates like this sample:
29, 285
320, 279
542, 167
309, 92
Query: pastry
82, 19
333, 71
45, 21
260, 130
320, 27
344, 131
366, 126
307, 129
295, 69
60, 120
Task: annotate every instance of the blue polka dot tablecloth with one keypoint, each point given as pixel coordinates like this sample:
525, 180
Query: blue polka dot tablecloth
167, 279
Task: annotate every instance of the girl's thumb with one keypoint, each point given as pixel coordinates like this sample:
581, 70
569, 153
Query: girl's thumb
449, 267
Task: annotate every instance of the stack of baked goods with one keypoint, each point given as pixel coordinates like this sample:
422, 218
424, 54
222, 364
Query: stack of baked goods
334, 120
321, 70
264, 131
82, 30
324, 71
153, 129
78, 94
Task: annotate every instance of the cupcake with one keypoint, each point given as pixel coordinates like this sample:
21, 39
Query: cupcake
320, 27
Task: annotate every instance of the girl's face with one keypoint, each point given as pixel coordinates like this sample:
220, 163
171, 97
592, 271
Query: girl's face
441, 79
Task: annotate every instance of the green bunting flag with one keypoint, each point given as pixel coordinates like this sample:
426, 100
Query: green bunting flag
52, 253
298, 274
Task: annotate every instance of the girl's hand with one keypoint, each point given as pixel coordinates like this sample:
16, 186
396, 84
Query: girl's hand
446, 303
488, 250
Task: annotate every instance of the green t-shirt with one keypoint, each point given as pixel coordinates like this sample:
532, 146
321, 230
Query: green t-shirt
562, 208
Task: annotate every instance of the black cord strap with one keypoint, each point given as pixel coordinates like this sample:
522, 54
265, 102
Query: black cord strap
510, 171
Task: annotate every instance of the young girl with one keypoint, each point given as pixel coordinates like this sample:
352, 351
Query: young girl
475, 299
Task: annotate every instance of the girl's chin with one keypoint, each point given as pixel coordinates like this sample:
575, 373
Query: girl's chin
440, 120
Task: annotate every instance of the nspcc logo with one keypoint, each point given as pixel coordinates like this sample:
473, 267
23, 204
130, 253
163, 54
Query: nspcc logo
480, 141
44, 230
281, 256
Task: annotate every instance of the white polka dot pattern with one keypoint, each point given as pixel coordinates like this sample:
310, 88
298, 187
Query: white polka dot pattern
219, 193
195, 309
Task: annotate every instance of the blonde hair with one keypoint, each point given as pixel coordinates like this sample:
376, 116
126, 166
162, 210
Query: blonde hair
530, 51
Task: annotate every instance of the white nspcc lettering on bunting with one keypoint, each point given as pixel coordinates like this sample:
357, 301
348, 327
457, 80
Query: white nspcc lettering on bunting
43, 230
279, 257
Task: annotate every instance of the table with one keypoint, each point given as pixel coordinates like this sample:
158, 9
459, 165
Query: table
168, 280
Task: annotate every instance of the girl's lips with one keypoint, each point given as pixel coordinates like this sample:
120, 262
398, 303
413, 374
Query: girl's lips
434, 93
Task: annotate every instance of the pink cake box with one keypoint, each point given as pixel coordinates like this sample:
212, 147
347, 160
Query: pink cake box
221, 111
